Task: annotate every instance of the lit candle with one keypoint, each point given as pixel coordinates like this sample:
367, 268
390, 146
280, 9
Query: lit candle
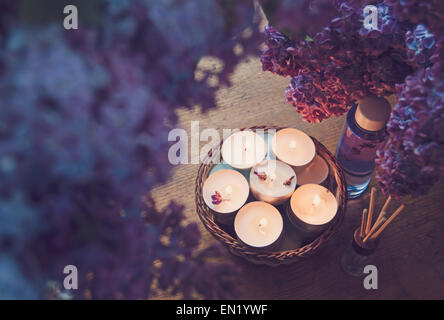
224, 192
293, 146
272, 181
315, 172
244, 149
312, 207
259, 225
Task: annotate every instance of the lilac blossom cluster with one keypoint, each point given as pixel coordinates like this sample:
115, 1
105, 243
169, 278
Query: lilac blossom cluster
429, 12
343, 62
83, 136
420, 44
298, 18
412, 159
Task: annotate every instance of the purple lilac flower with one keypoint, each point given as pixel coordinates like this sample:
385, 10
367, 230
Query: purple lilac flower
299, 18
412, 160
279, 57
83, 136
430, 13
345, 62
420, 44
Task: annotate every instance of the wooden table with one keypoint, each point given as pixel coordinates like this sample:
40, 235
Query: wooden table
410, 258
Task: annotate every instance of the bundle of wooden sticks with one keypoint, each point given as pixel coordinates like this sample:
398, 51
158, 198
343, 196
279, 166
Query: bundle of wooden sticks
369, 232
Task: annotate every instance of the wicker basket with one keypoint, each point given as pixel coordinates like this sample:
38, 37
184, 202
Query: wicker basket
335, 183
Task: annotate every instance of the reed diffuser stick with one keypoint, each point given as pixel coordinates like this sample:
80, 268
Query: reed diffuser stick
381, 216
373, 229
370, 210
393, 216
384, 208
363, 222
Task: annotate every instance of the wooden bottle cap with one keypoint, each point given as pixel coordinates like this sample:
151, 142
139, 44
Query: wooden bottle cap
372, 113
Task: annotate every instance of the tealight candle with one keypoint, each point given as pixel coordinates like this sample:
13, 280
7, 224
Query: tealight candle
259, 225
244, 149
224, 192
272, 181
315, 172
293, 146
312, 207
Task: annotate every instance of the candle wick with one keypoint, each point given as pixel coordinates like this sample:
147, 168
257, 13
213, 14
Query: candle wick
261, 229
262, 223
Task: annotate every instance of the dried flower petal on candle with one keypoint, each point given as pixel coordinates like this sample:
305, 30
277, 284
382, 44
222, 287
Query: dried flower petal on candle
261, 175
288, 181
273, 190
217, 198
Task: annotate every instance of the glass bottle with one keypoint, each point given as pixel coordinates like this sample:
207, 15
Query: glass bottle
363, 133
358, 254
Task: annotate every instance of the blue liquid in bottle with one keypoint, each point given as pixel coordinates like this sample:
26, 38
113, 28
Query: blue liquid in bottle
364, 132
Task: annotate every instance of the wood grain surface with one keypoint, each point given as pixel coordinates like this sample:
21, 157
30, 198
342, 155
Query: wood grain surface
410, 257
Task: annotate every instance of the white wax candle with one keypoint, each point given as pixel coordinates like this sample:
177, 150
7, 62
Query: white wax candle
315, 172
225, 191
258, 224
272, 181
244, 149
313, 204
293, 146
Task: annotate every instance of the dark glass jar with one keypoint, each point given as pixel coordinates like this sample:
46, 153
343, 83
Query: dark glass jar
358, 254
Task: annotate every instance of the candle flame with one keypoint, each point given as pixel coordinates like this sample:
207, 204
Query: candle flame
316, 200
229, 190
263, 222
